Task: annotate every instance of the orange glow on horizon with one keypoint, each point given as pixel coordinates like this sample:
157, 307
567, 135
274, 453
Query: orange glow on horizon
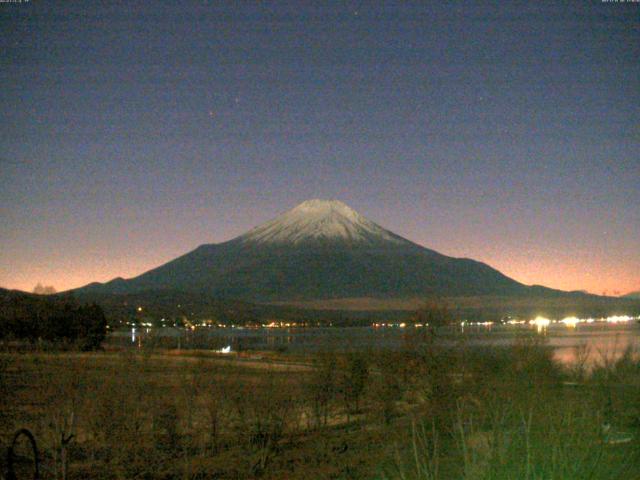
613, 280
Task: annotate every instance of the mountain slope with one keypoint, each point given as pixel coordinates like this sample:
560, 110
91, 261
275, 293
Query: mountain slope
318, 250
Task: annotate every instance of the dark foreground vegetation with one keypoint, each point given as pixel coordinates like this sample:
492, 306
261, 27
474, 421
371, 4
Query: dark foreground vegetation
42, 321
420, 412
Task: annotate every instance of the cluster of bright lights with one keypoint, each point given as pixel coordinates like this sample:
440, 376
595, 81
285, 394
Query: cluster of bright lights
283, 324
573, 321
540, 322
618, 318
398, 325
517, 322
207, 324
464, 323
570, 321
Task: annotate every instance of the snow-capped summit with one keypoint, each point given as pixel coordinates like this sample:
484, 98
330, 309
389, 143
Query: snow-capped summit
320, 220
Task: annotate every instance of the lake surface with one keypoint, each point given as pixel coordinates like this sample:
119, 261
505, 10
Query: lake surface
598, 340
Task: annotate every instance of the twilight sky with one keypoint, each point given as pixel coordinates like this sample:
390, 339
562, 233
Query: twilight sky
507, 132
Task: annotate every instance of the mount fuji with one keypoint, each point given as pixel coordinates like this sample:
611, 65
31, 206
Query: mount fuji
321, 249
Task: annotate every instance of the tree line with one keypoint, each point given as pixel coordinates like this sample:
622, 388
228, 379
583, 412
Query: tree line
35, 318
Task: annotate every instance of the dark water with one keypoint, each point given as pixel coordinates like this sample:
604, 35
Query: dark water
598, 341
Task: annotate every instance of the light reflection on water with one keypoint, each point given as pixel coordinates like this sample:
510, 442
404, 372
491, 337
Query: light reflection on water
591, 342
598, 346
600, 340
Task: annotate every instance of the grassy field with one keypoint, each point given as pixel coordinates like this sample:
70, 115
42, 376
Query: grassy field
420, 412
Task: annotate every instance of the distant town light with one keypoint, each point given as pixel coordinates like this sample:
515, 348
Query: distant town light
541, 323
571, 321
